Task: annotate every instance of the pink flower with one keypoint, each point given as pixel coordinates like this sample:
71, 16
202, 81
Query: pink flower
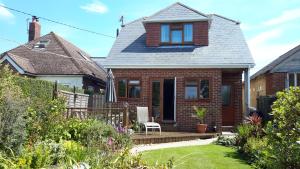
110, 141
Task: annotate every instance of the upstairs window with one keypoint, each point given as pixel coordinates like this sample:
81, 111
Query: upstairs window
165, 33
188, 32
176, 36
176, 33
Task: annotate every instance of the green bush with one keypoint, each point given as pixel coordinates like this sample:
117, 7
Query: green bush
13, 107
244, 131
48, 122
254, 148
283, 132
226, 141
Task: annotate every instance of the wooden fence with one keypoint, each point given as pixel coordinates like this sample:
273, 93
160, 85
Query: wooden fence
113, 116
85, 106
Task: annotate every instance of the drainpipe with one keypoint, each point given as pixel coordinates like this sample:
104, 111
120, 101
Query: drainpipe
247, 91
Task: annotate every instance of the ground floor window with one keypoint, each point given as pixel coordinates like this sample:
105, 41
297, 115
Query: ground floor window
129, 88
197, 89
292, 79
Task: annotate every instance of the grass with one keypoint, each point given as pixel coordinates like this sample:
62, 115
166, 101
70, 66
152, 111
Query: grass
201, 157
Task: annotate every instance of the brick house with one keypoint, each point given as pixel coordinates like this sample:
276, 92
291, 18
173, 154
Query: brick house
178, 58
52, 58
281, 73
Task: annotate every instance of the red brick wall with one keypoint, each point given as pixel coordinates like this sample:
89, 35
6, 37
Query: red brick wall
275, 82
200, 34
185, 120
152, 34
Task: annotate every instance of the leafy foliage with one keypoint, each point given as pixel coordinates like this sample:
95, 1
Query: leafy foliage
283, 132
12, 113
226, 141
200, 113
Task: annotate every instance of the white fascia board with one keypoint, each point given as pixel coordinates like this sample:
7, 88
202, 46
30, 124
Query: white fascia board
179, 66
13, 63
174, 20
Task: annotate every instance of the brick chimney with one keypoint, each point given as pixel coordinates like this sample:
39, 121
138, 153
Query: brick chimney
34, 29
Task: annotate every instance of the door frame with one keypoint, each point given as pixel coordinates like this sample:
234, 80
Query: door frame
161, 108
231, 104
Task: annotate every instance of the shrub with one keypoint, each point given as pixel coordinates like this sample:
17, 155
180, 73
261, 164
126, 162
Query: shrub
244, 131
38, 156
226, 141
283, 131
48, 122
254, 148
12, 113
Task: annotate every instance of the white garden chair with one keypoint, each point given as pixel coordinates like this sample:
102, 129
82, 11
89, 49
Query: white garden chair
143, 118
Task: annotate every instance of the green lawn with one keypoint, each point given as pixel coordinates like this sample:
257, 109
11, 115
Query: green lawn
206, 157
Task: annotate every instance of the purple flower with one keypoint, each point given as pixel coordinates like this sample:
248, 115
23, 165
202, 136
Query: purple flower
120, 129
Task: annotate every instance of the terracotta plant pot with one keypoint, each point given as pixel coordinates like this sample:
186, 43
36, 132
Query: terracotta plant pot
201, 128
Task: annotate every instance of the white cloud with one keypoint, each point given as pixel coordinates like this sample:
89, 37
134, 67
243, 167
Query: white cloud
5, 13
265, 36
96, 7
286, 16
265, 52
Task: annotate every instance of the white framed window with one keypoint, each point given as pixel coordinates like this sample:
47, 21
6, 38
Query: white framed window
292, 79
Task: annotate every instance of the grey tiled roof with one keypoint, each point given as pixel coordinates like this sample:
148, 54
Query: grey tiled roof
227, 48
59, 57
176, 12
271, 66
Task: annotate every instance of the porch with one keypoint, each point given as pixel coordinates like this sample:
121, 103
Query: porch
166, 137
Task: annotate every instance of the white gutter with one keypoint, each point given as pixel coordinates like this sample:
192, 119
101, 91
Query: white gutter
178, 66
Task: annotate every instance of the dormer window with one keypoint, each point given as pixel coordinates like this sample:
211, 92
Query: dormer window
175, 34
188, 32
41, 44
165, 33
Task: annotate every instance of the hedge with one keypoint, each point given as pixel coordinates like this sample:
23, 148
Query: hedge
40, 89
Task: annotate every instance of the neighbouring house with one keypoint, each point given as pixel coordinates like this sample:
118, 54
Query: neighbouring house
282, 73
178, 58
53, 58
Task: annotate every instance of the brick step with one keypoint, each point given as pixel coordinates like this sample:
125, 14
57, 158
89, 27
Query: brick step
227, 128
155, 138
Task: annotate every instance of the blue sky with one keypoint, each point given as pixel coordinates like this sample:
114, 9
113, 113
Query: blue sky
271, 27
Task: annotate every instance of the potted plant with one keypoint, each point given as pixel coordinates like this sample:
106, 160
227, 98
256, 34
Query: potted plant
200, 113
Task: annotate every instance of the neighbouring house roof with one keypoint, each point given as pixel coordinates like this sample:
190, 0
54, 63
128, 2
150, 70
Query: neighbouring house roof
283, 63
176, 12
58, 57
227, 47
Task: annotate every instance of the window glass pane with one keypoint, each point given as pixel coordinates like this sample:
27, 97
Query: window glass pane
165, 33
204, 89
122, 88
134, 82
176, 36
226, 95
191, 90
188, 32
134, 91
291, 79
298, 79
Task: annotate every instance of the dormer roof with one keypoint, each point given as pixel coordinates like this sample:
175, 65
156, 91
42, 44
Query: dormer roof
177, 12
